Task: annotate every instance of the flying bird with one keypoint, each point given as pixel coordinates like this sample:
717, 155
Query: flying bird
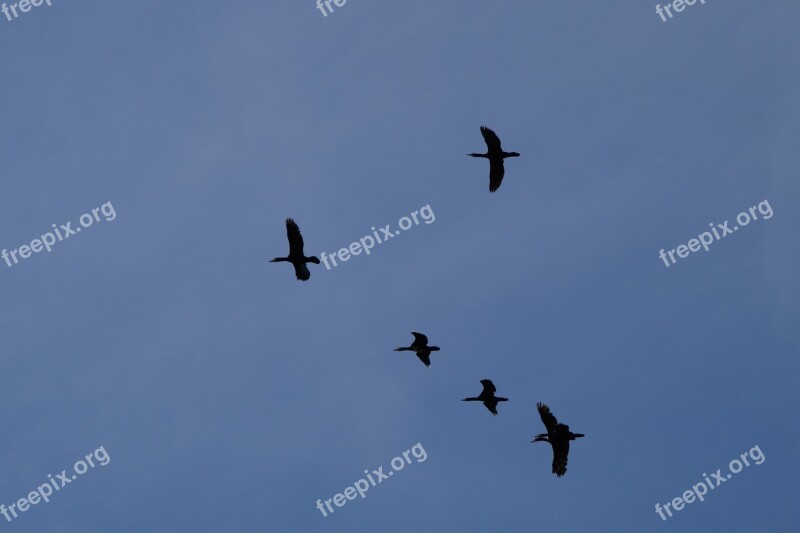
487, 396
558, 435
296, 257
420, 347
495, 155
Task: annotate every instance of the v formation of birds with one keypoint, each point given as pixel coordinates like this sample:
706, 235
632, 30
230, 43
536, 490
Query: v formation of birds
558, 435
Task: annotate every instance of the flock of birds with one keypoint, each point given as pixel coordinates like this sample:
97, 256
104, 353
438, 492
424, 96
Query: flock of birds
558, 435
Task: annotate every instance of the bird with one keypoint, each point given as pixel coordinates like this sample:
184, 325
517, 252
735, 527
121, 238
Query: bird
495, 155
487, 396
420, 346
296, 257
558, 435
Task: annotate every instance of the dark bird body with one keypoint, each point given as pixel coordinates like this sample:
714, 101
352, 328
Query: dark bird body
558, 435
420, 347
487, 396
296, 256
495, 155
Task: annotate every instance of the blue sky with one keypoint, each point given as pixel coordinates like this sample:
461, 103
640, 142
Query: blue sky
230, 397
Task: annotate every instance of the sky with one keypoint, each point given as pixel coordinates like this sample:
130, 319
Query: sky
223, 394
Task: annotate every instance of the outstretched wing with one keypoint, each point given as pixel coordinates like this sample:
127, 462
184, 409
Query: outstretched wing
549, 420
492, 140
560, 452
425, 358
496, 172
301, 271
491, 405
488, 387
295, 239
420, 339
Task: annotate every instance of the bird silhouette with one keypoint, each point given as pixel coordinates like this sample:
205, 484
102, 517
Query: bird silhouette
296, 256
420, 347
558, 435
487, 396
495, 155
